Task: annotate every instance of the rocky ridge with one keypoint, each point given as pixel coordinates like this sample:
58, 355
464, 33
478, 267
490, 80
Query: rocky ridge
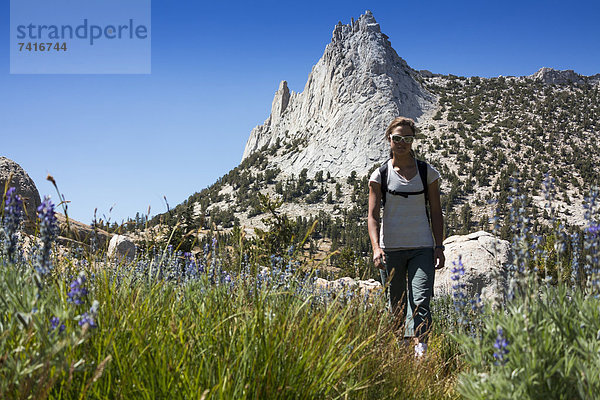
491, 138
355, 89
552, 76
360, 84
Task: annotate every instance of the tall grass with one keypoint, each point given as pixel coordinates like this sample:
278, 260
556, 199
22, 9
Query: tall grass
185, 340
168, 326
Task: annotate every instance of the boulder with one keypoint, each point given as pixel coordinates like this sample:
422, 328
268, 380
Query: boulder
24, 186
121, 248
367, 287
80, 232
370, 287
486, 260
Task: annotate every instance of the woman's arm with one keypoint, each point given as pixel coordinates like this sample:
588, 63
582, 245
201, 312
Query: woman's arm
437, 221
373, 223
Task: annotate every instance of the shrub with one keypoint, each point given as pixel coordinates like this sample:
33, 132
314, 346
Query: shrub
544, 345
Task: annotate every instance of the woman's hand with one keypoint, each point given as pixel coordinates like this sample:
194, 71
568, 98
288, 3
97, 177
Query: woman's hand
379, 258
438, 258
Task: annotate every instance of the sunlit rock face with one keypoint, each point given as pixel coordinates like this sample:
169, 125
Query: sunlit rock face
353, 92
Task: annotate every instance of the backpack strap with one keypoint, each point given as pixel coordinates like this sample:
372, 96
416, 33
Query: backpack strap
383, 171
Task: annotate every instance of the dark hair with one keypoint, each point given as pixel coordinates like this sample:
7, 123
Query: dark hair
400, 121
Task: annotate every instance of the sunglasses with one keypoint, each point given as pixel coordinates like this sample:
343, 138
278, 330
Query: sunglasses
405, 139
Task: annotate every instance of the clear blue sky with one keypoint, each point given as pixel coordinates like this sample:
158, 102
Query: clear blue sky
129, 140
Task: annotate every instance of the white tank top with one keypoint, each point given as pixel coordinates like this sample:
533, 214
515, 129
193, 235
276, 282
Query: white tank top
404, 224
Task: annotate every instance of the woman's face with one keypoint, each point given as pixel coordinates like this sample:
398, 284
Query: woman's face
401, 148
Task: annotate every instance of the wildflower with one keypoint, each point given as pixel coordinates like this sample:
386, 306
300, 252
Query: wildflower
201, 268
55, 323
48, 232
13, 215
78, 291
593, 229
501, 347
458, 289
420, 350
190, 268
575, 273
592, 243
89, 316
275, 260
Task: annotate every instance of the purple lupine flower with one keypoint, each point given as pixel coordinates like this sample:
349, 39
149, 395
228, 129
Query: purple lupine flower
276, 261
592, 242
593, 229
89, 317
228, 281
48, 221
78, 291
458, 290
13, 215
201, 268
575, 276
48, 232
55, 323
501, 347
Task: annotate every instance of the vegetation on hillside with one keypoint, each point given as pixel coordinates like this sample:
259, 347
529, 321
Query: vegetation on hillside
222, 324
489, 138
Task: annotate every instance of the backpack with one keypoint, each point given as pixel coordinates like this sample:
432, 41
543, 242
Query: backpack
422, 168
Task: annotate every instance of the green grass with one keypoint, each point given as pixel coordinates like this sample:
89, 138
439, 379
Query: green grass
197, 340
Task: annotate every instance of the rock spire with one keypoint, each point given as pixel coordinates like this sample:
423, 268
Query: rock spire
357, 87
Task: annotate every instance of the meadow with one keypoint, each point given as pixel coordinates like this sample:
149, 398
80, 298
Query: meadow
172, 325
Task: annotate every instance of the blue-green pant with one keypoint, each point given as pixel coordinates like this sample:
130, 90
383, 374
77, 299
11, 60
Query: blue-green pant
414, 267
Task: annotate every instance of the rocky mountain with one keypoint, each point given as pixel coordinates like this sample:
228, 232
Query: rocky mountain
551, 76
354, 90
495, 141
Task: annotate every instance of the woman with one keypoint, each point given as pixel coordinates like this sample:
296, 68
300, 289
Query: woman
407, 246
